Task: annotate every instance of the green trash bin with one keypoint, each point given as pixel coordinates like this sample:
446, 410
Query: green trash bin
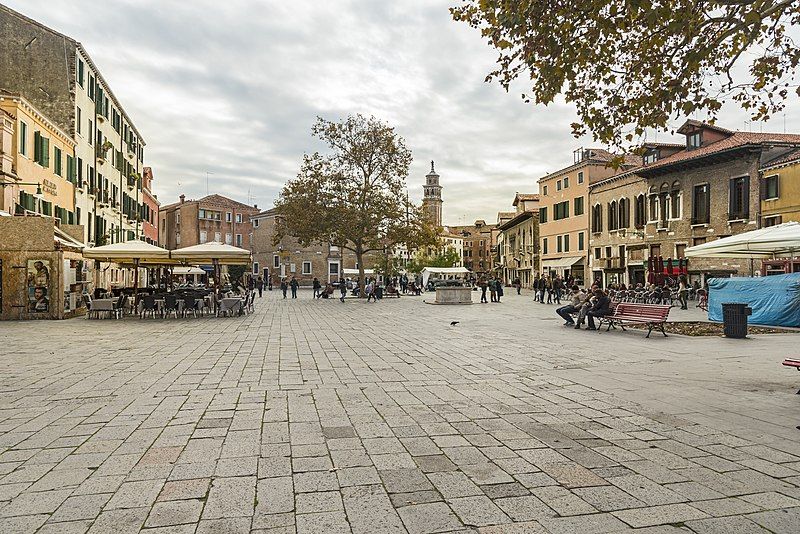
734, 319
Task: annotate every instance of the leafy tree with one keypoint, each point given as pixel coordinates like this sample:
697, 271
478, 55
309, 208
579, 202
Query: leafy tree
354, 196
628, 65
448, 257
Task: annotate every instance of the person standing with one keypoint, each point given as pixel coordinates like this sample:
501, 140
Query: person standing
499, 287
260, 286
558, 287
317, 288
483, 285
493, 289
342, 290
535, 287
293, 284
518, 284
269, 282
370, 291
683, 293
284, 286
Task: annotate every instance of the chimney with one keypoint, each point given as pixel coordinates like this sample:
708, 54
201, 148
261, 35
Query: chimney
183, 198
255, 206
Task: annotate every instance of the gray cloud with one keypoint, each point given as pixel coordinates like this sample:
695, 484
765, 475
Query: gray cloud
233, 88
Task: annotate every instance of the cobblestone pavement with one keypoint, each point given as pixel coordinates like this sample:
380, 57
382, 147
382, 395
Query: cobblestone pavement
316, 416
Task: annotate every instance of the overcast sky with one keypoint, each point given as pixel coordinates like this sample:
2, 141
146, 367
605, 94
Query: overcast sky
232, 87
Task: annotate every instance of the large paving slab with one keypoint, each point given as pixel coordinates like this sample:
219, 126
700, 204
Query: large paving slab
320, 416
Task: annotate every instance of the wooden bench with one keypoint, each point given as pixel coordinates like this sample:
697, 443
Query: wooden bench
650, 315
788, 362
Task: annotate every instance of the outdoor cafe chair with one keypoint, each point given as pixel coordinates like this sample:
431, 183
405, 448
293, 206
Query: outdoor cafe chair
170, 305
189, 305
119, 306
149, 305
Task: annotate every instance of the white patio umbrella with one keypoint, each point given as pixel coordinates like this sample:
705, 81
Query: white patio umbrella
778, 240
133, 252
214, 253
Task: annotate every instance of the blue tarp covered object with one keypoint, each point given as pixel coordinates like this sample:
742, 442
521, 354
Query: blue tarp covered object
775, 299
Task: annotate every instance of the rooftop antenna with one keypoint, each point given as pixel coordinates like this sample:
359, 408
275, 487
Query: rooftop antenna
207, 173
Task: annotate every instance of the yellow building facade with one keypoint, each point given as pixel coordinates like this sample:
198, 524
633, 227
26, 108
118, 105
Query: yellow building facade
780, 190
42, 156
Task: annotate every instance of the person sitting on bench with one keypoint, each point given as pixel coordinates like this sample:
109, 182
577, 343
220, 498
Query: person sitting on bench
601, 308
574, 306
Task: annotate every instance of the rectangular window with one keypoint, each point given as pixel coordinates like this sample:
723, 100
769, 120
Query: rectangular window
608, 252
566, 243
256, 269
306, 267
693, 141
578, 208
772, 221
544, 245
738, 207
581, 244
597, 254
79, 120
542, 215
558, 185
89, 131
80, 72
22, 142
566, 182
217, 237
202, 214
238, 240
255, 223
698, 241
680, 250
333, 268
228, 217
561, 210
771, 187
276, 261
228, 239
203, 237
650, 157
57, 161
580, 177
655, 251
238, 217
558, 244
544, 190
90, 89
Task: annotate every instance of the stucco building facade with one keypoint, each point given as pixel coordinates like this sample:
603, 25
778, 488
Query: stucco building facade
211, 218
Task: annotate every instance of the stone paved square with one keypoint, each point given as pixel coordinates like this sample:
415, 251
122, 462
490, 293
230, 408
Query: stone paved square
317, 416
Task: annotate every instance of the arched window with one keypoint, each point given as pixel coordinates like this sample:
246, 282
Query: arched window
612, 215
640, 215
624, 213
676, 201
597, 219
653, 205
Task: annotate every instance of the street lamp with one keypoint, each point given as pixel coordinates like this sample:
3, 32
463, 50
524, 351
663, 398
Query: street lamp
38, 185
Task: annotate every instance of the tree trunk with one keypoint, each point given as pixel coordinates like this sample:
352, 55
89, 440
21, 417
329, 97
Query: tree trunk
360, 260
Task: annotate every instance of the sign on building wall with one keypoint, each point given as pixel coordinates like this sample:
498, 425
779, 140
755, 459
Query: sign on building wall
38, 282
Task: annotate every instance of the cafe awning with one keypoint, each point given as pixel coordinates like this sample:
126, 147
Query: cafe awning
182, 270
562, 263
778, 240
212, 252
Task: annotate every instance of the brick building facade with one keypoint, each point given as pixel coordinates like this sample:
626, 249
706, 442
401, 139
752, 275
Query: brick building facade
150, 207
477, 247
211, 218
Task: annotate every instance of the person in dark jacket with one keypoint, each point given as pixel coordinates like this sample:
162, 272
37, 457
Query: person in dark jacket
284, 286
317, 288
294, 285
483, 284
260, 286
601, 308
499, 288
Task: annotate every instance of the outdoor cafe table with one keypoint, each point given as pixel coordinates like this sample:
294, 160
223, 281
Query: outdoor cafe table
103, 305
231, 304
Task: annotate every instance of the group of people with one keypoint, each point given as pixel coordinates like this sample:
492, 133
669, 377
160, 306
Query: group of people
551, 287
586, 305
493, 284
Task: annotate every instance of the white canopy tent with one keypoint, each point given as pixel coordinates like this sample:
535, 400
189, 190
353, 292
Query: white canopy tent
212, 252
446, 272
775, 241
184, 270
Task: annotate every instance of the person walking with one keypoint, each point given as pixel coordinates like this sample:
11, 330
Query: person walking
549, 289
683, 293
370, 291
317, 288
284, 286
535, 287
483, 285
260, 286
558, 287
269, 282
542, 288
293, 284
518, 284
342, 290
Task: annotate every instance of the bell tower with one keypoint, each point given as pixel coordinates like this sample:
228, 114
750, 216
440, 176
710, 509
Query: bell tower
432, 199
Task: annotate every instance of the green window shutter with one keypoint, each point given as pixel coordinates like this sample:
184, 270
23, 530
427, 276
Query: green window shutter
45, 152
37, 147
